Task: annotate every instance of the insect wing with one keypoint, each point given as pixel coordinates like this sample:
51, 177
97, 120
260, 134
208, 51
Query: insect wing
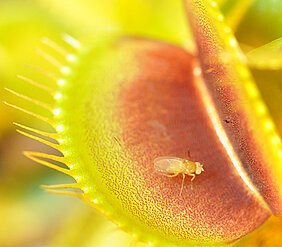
168, 165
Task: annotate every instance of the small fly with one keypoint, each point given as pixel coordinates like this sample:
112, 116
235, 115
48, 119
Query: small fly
173, 166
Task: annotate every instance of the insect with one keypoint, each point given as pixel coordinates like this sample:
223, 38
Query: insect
173, 166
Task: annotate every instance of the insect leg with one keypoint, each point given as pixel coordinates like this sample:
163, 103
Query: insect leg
183, 175
193, 176
171, 176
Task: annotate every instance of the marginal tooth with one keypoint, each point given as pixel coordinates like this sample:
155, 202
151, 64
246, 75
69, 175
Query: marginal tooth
34, 157
43, 133
71, 41
65, 193
49, 58
43, 72
60, 186
36, 84
37, 102
47, 156
54, 45
47, 120
49, 143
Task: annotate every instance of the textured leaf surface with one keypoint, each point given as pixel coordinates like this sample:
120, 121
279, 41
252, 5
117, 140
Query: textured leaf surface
137, 100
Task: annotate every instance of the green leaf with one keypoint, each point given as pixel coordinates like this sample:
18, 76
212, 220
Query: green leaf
268, 56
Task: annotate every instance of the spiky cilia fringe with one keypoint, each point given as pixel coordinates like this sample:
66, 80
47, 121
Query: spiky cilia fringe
51, 139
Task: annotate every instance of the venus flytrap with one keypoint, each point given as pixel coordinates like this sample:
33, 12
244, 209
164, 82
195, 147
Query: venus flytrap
120, 102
